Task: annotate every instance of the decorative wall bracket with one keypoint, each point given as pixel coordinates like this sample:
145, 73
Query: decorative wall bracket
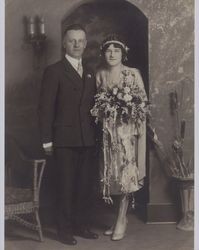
35, 35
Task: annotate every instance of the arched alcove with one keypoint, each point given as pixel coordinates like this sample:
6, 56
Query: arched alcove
113, 16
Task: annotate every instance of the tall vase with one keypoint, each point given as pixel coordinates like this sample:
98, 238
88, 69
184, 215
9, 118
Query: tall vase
186, 190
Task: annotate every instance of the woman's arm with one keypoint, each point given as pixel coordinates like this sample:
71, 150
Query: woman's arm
140, 83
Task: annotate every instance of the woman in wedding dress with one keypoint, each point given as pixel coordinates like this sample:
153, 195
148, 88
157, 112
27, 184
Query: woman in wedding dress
124, 142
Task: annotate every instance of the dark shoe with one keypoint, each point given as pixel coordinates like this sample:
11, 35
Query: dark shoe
86, 233
67, 239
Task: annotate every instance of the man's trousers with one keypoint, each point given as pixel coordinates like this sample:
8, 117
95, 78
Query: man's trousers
76, 176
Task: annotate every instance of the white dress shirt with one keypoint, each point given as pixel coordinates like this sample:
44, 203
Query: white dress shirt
73, 61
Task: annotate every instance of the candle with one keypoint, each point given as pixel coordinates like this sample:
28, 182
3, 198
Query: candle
41, 26
31, 27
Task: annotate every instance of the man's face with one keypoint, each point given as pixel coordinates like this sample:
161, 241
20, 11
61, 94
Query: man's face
74, 43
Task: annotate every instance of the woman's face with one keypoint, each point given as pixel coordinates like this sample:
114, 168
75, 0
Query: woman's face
113, 56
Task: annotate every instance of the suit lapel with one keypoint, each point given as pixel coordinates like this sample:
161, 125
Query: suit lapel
72, 73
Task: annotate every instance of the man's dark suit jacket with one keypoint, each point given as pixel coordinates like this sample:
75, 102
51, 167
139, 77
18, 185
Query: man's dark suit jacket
66, 101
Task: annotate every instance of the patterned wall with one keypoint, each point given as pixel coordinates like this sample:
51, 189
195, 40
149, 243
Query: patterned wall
170, 55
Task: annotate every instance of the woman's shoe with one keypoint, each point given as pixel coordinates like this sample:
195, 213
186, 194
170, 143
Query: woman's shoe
119, 235
109, 231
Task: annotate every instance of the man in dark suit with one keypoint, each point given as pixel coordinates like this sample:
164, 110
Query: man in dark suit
68, 130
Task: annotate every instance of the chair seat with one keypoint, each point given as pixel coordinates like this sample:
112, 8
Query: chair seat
16, 195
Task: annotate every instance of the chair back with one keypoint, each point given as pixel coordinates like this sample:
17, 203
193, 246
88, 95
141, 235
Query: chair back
33, 167
37, 177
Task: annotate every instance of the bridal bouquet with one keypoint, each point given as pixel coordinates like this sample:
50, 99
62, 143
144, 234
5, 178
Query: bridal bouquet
121, 103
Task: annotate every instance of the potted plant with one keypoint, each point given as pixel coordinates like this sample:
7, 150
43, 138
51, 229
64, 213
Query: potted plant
175, 166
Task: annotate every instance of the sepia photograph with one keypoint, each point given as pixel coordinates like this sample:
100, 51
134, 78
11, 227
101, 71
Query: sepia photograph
99, 137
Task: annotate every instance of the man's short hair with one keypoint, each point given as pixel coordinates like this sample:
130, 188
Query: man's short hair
74, 27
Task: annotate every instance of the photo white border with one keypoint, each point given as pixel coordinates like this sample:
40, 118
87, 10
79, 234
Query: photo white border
196, 127
2, 96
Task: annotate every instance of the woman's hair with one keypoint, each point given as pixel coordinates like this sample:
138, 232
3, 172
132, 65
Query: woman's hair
117, 42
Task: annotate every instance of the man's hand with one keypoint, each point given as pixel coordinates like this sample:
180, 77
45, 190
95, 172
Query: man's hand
48, 150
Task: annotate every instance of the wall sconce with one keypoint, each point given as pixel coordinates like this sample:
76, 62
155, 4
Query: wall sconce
35, 35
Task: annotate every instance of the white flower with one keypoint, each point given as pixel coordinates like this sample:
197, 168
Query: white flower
127, 97
88, 75
127, 90
115, 90
142, 105
94, 112
119, 96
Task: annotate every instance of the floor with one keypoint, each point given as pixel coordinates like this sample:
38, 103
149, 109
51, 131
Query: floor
139, 236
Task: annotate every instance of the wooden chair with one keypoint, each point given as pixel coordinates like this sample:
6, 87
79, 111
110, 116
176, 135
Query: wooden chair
19, 201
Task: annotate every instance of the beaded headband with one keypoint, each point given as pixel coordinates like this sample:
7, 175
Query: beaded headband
117, 42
